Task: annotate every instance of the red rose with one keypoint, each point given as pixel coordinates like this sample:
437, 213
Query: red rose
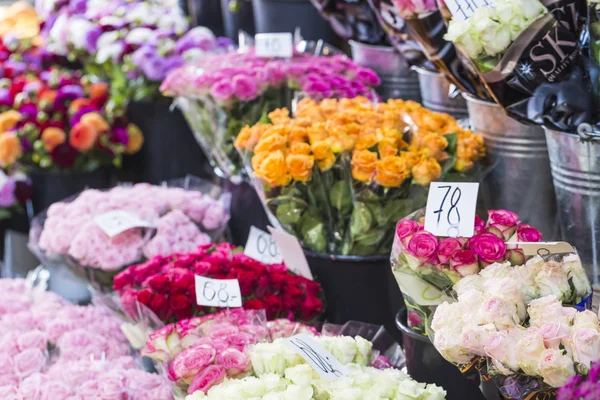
179, 302
279, 280
181, 280
262, 287
144, 296
160, 305
247, 280
273, 305
123, 279
183, 314
254, 305
311, 307
184, 261
201, 267
159, 283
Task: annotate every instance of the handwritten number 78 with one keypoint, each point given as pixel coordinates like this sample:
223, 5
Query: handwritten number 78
454, 199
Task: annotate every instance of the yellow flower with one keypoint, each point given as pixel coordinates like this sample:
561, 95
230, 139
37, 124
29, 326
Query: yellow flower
391, 171
326, 163
257, 160
241, 141
462, 165
8, 120
411, 158
387, 147
269, 143
300, 148
280, 116
321, 149
135, 139
316, 132
435, 145
297, 134
273, 170
300, 166
364, 163
426, 171
367, 141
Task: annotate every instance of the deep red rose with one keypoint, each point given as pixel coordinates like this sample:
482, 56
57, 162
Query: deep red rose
183, 314
144, 296
64, 155
311, 307
273, 305
279, 280
159, 283
179, 302
262, 287
201, 267
160, 305
185, 261
254, 305
312, 288
247, 281
181, 280
123, 279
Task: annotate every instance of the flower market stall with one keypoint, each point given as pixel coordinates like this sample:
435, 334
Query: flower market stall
193, 217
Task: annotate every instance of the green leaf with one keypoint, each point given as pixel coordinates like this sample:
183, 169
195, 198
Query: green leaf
289, 213
312, 232
264, 118
448, 165
362, 250
381, 217
371, 238
452, 139
340, 197
4, 214
361, 219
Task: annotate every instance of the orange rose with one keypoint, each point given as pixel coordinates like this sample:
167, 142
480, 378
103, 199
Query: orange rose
273, 170
280, 116
52, 137
83, 136
366, 142
411, 158
297, 134
391, 171
387, 147
269, 143
364, 163
98, 90
435, 145
326, 163
300, 148
316, 132
462, 165
9, 120
47, 96
95, 120
426, 171
300, 166
77, 104
241, 141
10, 149
321, 149
257, 160
135, 139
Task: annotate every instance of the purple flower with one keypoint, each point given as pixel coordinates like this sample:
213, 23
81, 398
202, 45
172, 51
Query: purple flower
173, 62
119, 135
81, 112
225, 42
29, 111
78, 6
222, 90
17, 67
5, 97
317, 90
198, 37
91, 39
68, 93
367, 77
26, 144
7, 193
155, 68
245, 88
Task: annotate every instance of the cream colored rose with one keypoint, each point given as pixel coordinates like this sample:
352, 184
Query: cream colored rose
449, 345
502, 347
506, 289
474, 338
467, 283
586, 319
496, 271
555, 367
447, 315
586, 346
552, 281
546, 309
575, 272
529, 350
499, 312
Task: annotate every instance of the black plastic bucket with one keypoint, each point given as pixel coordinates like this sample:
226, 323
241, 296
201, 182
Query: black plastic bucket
241, 19
425, 364
246, 211
169, 151
357, 288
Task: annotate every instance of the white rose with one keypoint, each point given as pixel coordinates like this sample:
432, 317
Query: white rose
108, 38
555, 367
552, 281
502, 347
507, 289
301, 375
57, 37
273, 382
586, 319
499, 312
529, 350
574, 269
470, 301
139, 35
467, 283
474, 338
570, 314
76, 33
555, 334
460, 33
410, 389
546, 309
447, 315
586, 346
110, 52
497, 271
449, 345
530, 9
495, 37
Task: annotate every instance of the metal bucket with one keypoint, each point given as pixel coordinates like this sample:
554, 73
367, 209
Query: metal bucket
435, 91
576, 172
398, 80
516, 174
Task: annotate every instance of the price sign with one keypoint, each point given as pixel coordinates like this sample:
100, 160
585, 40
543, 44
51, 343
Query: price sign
317, 357
292, 253
117, 221
464, 9
261, 247
218, 292
274, 45
541, 248
451, 208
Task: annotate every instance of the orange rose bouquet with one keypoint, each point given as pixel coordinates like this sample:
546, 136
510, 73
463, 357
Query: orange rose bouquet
340, 174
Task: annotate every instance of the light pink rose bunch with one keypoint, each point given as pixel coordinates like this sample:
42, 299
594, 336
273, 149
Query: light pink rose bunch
181, 218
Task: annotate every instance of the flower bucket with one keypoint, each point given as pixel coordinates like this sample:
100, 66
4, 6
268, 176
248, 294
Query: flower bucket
169, 149
356, 288
516, 173
240, 19
425, 364
435, 90
398, 80
246, 211
52, 186
575, 167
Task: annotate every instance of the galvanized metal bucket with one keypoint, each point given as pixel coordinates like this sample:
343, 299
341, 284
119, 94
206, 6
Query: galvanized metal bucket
398, 80
516, 174
435, 93
575, 166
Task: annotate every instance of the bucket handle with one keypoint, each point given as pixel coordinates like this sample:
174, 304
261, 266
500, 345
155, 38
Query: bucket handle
588, 133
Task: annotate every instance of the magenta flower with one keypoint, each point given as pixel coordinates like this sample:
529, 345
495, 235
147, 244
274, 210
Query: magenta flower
7, 193
222, 90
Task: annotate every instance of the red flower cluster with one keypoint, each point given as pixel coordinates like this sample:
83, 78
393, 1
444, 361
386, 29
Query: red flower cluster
166, 285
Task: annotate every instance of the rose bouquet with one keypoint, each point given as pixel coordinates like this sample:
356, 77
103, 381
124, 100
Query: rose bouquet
530, 351
339, 174
166, 220
428, 269
221, 94
133, 44
506, 43
166, 285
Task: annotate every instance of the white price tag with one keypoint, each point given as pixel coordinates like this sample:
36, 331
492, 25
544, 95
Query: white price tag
291, 252
218, 292
115, 222
274, 45
464, 9
261, 247
317, 357
451, 208
541, 248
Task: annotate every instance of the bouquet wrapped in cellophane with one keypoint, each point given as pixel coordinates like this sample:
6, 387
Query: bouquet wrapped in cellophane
339, 174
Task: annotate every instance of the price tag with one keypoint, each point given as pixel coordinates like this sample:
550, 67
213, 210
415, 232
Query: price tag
291, 252
261, 247
541, 248
118, 221
464, 9
317, 357
218, 292
451, 208
274, 45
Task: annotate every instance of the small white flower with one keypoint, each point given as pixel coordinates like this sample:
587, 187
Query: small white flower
139, 35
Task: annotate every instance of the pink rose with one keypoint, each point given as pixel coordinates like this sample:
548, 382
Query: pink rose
222, 90
55, 390
245, 88
499, 312
488, 247
33, 340
9, 392
207, 378
527, 233
162, 344
9, 379
222, 331
501, 346
111, 389
234, 361
191, 361
556, 367
423, 246
502, 222
586, 346
553, 333
8, 344
242, 339
464, 262
29, 361
214, 217
479, 225
6, 364
446, 248
405, 229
